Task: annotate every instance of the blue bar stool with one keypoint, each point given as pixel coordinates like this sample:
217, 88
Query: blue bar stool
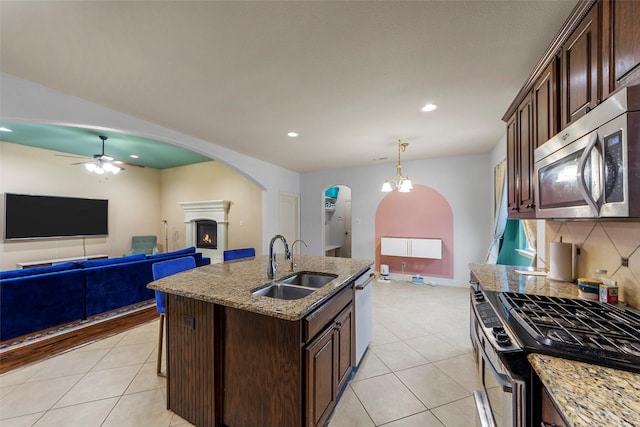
163, 269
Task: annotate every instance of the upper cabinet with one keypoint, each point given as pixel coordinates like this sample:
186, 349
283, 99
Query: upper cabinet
545, 105
580, 77
596, 53
620, 44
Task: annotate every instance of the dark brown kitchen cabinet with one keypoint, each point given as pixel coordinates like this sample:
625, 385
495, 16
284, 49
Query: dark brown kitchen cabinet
329, 360
620, 44
581, 76
596, 53
545, 105
229, 366
513, 180
520, 200
551, 416
525, 136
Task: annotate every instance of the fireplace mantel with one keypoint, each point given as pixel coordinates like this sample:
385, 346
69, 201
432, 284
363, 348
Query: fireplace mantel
213, 210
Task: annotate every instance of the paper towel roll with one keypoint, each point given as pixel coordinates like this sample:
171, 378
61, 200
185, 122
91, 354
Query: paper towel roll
561, 261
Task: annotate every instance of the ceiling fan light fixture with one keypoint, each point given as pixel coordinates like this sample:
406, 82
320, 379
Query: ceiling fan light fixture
90, 166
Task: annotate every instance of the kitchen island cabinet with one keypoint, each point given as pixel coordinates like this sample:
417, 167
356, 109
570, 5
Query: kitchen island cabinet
238, 359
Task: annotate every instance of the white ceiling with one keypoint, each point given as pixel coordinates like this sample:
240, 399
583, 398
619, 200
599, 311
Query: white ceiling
350, 77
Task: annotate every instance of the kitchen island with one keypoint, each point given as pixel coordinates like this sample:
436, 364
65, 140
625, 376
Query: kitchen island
583, 394
239, 359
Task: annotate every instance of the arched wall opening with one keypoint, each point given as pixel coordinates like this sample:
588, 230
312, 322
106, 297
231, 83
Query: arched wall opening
422, 213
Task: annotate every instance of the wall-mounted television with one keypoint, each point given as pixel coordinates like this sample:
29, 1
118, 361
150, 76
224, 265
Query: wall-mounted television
40, 217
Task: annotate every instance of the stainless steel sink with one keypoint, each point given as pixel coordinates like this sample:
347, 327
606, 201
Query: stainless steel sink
283, 291
308, 279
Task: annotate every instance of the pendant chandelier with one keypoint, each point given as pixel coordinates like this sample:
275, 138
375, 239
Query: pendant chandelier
402, 183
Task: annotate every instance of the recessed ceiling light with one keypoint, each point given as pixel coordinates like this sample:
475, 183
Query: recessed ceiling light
292, 134
134, 156
3, 129
429, 107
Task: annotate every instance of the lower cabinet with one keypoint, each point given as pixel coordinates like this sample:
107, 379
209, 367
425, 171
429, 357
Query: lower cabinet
329, 360
231, 367
551, 416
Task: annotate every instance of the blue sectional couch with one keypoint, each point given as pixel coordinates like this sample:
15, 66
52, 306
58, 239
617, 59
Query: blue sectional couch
39, 298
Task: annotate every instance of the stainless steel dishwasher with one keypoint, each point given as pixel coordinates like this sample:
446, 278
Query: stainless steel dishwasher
364, 312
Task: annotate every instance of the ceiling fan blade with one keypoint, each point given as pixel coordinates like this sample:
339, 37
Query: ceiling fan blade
133, 164
80, 163
73, 157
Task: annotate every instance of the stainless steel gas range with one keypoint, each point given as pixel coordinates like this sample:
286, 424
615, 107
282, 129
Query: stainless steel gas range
506, 326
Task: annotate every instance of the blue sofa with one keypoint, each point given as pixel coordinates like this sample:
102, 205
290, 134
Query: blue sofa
40, 298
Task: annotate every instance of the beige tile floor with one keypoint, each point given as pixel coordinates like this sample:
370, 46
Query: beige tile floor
418, 372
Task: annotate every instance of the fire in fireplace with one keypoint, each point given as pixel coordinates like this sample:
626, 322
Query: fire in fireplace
207, 234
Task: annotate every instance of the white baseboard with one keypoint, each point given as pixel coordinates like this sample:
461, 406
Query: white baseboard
432, 281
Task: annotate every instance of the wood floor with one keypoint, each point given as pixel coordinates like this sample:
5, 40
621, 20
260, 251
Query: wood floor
14, 358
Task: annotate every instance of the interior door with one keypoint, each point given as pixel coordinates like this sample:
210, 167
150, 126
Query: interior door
289, 217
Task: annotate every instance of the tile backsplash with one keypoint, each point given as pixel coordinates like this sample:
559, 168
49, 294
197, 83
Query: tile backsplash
602, 245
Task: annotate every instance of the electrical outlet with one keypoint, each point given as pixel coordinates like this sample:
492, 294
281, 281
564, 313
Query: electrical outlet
404, 264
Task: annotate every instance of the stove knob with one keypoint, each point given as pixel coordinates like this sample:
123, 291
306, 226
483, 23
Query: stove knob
498, 330
478, 295
503, 339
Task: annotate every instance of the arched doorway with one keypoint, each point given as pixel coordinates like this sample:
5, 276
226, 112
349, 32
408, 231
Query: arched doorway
337, 221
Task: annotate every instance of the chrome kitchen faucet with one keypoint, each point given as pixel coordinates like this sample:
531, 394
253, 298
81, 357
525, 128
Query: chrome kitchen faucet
293, 251
273, 265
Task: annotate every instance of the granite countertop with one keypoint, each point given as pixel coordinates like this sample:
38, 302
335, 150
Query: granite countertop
506, 278
588, 394
230, 283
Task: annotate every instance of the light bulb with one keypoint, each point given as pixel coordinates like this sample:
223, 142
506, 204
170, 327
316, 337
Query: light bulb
90, 167
386, 187
405, 186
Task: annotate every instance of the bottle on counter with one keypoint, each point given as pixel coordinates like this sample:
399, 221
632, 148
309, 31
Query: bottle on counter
598, 287
608, 289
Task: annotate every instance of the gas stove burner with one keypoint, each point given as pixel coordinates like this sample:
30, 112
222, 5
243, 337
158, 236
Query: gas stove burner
582, 314
585, 330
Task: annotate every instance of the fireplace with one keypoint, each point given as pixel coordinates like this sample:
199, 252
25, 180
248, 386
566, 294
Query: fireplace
206, 234
206, 225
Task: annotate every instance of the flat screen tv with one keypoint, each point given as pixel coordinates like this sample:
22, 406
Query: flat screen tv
40, 217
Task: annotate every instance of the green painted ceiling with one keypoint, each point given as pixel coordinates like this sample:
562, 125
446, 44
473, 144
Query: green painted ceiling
86, 142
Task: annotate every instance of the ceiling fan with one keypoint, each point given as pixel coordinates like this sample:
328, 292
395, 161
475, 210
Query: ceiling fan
102, 162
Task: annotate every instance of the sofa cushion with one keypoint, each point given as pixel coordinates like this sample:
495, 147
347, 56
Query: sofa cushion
38, 270
109, 287
111, 261
174, 254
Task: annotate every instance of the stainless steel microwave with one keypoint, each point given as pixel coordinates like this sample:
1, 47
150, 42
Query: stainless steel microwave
592, 168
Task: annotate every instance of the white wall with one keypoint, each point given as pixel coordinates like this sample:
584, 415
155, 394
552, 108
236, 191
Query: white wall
464, 181
499, 152
23, 101
134, 203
